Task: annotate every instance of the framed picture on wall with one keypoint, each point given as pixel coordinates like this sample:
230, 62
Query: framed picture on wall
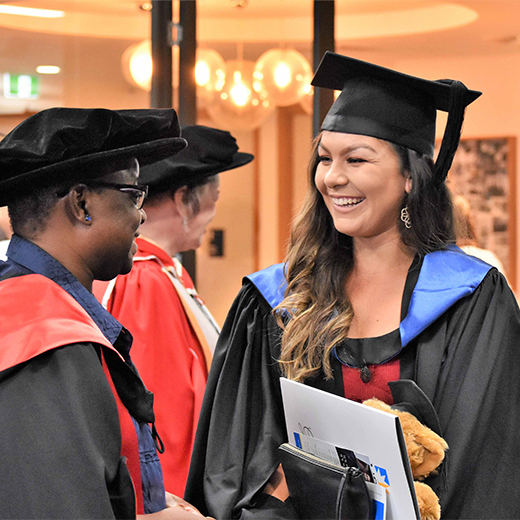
483, 171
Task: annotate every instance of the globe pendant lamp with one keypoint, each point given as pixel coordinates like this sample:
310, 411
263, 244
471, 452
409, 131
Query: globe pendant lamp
137, 64
284, 75
237, 105
210, 74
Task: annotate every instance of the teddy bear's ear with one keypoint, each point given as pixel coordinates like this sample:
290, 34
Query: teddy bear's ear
425, 448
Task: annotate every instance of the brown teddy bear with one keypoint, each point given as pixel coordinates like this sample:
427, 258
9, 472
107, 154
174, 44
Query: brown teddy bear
426, 452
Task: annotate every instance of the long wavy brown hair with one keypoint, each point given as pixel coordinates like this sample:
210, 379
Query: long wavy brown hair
316, 313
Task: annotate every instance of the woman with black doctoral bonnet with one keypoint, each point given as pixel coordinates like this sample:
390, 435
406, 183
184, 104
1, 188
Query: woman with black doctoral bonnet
174, 333
373, 300
78, 436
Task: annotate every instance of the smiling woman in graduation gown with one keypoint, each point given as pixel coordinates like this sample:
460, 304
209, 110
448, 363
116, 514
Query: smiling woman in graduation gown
452, 359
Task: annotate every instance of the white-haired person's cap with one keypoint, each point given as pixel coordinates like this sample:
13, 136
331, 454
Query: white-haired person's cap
210, 151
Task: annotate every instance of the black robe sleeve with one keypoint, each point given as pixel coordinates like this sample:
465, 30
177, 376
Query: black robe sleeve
241, 423
469, 364
60, 441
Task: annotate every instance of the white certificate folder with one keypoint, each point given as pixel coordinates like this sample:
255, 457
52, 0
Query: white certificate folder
334, 427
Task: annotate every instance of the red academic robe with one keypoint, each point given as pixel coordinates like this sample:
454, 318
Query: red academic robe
56, 321
165, 350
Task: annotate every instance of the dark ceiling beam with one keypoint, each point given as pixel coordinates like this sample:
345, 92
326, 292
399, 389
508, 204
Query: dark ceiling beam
161, 91
324, 11
187, 40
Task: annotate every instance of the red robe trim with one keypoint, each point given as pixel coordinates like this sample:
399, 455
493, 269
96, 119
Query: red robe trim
42, 317
166, 352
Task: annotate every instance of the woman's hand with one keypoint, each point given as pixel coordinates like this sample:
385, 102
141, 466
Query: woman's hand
176, 509
175, 501
277, 485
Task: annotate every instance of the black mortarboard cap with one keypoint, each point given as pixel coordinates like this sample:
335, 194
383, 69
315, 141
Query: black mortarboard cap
209, 151
67, 144
393, 106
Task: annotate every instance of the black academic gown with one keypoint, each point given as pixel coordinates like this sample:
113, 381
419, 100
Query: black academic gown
61, 452
465, 358
60, 443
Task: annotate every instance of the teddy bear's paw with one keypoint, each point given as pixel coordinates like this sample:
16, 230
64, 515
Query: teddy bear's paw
428, 502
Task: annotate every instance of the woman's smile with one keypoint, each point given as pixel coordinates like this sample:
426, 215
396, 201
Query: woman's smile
346, 202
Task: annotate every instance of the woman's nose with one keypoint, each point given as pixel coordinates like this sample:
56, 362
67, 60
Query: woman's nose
336, 175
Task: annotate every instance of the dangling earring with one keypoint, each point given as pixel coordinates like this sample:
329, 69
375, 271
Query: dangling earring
405, 217
185, 224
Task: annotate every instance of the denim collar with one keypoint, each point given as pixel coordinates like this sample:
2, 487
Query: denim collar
34, 259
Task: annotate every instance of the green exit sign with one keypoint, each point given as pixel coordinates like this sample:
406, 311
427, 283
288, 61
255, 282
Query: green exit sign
21, 86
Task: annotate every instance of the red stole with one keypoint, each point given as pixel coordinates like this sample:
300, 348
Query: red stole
42, 317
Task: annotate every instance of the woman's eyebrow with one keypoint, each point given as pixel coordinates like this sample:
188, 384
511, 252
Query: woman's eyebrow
350, 148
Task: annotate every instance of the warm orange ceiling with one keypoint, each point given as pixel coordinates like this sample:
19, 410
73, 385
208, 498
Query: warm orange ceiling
261, 20
408, 28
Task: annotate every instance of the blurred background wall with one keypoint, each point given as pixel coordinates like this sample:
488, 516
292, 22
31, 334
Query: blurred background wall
475, 41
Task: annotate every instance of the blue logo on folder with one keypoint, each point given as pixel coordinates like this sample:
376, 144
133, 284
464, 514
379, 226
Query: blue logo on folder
378, 510
297, 440
382, 476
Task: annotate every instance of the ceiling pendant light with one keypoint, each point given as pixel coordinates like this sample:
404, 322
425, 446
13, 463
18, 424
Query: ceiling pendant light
237, 105
284, 75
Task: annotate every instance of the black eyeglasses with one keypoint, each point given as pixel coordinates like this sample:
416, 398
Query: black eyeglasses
137, 192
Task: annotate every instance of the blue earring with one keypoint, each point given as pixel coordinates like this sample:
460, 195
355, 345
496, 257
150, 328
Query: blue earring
88, 218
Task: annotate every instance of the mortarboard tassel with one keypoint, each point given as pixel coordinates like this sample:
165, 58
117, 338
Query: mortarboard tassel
451, 138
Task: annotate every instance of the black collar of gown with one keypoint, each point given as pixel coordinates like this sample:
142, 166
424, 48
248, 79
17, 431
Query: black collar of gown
360, 352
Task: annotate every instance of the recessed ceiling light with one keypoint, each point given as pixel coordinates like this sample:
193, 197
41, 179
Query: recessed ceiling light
48, 69
30, 11
238, 3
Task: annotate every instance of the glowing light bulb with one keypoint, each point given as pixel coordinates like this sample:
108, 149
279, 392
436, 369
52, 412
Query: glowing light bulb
202, 73
137, 64
282, 75
141, 68
239, 92
210, 74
